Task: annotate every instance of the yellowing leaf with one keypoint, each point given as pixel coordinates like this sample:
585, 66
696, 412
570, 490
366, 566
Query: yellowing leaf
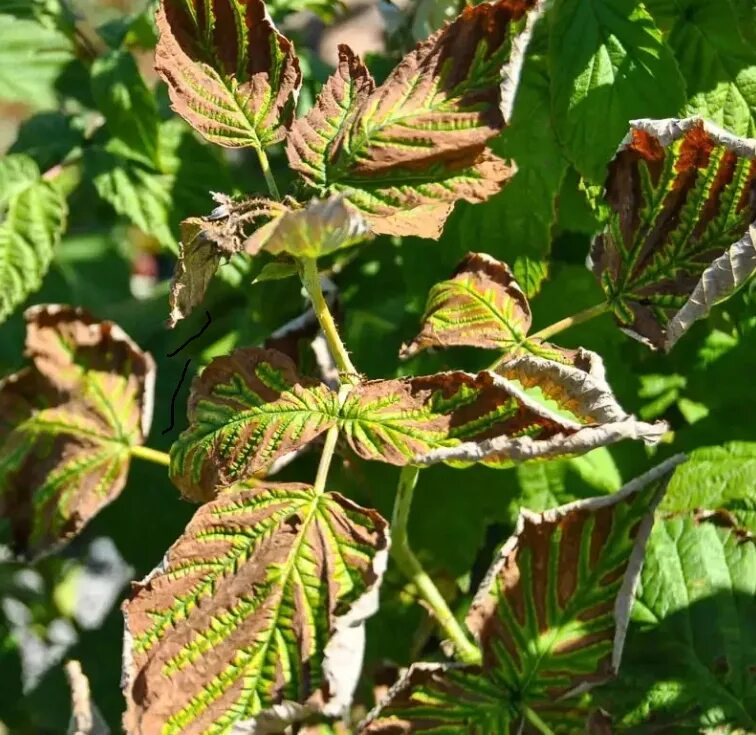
231, 75
256, 614
68, 423
418, 140
681, 236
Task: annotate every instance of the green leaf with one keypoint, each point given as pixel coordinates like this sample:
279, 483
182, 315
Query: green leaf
32, 57
128, 107
608, 64
680, 237
230, 74
68, 423
550, 618
251, 408
717, 479
276, 271
418, 140
516, 224
35, 217
689, 657
260, 602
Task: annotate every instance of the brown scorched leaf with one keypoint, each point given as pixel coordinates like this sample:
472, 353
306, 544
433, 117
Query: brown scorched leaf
230, 74
255, 617
681, 236
550, 618
251, 408
482, 305
67, 424
419, 139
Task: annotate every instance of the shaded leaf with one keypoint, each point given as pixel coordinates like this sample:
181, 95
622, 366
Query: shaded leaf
251, 408
717, 479
34, 218
681, 236
418, 140
230, 74
68, 423
690, 650
550, 618
608, 65
256, 615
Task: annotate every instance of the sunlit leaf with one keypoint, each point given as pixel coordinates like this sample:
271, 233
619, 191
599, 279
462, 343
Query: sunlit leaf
681, 236
68, 423
256, 613
251, 408
688, 664
231, 75
34, 216
550, 618
418, 140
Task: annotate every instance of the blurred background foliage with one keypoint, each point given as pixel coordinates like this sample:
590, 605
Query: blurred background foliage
73, 77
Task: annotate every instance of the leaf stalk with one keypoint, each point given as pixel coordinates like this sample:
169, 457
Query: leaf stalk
411, 567
262, 157
151, 455
571, 321
537, 722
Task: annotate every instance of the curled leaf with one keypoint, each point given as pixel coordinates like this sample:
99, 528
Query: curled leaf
68, 423
271, 585
418, 140
230, 74
681, 235
550, 618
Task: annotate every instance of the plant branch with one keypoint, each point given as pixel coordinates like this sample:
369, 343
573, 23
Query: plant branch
151, 455
267, 173
311, 282
410, 566
571, 321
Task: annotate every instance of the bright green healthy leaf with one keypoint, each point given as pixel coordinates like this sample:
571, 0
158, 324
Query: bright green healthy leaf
250, 408
68, 423
256, 614
717, 479
33, 219
230, 74
128, 106
550, 618
689, 657
608, 64
681, 236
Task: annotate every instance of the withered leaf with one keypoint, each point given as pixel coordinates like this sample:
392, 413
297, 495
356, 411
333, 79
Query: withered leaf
681, 235
230, 74
67, 424
271, 585
550, 618
418, 140
249, 409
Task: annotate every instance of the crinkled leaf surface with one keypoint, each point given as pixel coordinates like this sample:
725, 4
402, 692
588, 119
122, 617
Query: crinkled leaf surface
67, 425
250, 408
681, 236
34, 216
688, 663
260, 602
608, 64
481, 305
550, 618
231, 75
417, 140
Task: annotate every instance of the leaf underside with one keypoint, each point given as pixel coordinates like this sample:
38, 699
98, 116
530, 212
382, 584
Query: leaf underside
681, 234
259, 602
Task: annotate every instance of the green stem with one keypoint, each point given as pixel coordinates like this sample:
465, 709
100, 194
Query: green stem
571, 321
311, 282
151, 455
537, 722
267, 173
410, 566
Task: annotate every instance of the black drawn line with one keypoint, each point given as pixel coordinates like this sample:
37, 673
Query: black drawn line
175, 393
191, 339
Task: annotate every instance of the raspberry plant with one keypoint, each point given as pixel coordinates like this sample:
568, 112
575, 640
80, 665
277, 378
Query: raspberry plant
296, 598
